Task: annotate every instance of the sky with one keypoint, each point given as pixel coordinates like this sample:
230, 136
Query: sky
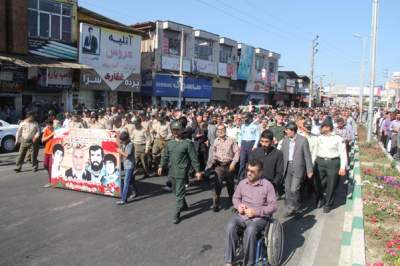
286, 27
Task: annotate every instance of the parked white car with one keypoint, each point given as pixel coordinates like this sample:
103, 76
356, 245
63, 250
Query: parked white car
8, 133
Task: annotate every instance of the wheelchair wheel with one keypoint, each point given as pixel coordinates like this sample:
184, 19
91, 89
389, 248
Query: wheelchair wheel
274, 243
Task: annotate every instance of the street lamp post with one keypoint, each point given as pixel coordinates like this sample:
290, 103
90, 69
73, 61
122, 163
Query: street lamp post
314, 50
362, 71
181, 80
374, 26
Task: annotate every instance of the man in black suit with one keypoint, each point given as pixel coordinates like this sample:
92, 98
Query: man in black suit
297, 163
90, 44
271, 158
78, 170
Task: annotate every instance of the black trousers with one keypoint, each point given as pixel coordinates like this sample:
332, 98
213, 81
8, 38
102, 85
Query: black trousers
222, 173
327, 179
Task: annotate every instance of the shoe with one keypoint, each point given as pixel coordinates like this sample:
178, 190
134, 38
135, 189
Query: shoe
185, 207
177, 219
215, 208
289, 214
35, 170
320, 204
327, 209
47, 185
167, 189
132, 196
120, 202
17, 170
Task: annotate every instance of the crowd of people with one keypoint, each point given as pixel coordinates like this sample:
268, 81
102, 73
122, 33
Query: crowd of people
386, 125
266, 153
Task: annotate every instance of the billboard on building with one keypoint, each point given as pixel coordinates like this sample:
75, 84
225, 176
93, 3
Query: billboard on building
86, 160
115, 55
245, 62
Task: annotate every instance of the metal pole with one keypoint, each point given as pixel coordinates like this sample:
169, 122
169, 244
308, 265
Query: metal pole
313, 52
362, 73
181, 88
374, 26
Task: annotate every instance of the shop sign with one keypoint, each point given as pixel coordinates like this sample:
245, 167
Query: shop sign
115, 55
173, 63
204, 66
59, 77
89, 79
168, 86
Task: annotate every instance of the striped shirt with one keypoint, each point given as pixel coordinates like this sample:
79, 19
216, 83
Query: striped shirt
225, 150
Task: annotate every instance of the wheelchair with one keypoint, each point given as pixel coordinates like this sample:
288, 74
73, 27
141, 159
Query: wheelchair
269, 245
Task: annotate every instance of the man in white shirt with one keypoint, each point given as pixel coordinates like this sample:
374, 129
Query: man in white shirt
331, 161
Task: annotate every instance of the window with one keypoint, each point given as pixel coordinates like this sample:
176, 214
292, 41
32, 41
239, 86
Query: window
55, 27
203, 49
225, 54
271, 67
172, 42
259, 62
44, 25
66, 29
33, 23
49, 19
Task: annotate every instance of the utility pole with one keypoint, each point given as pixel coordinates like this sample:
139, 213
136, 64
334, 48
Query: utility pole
181, 88
314, 50
362, 73
374, 26
321, 87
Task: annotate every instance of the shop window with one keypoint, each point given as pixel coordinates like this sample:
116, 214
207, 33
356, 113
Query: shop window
225, 54
50, 19
203, 49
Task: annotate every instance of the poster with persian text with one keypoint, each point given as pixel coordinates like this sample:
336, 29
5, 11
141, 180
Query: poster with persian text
86, 160
114, 55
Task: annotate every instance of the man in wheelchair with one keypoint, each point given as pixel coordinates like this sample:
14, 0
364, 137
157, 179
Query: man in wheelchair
255, 202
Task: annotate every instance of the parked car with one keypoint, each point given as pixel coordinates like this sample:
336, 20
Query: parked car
8, 133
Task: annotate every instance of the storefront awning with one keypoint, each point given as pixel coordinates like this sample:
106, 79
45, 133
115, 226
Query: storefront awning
40, 61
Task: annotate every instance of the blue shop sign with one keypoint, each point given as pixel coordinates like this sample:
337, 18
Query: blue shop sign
168, 86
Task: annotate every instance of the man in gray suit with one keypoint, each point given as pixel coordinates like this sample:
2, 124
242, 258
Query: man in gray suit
297, 163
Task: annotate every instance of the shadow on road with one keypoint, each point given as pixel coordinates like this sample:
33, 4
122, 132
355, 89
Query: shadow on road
294, 230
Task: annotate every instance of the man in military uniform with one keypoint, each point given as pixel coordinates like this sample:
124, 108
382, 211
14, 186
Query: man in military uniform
162, 133
330, 163
141, 141
27, 135
179, 155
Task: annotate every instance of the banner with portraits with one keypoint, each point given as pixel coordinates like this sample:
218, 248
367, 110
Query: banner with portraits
86, 160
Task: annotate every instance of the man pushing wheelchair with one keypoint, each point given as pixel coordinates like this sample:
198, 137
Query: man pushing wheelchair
255, 202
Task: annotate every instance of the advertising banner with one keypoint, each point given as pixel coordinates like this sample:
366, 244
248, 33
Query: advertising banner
115, 55
204, 66
245, 62
227, 70
86, 160
173, 63
168, 86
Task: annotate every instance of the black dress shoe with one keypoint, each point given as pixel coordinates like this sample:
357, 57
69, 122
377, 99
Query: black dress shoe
17, 170
177, 219
327, 209
320, 204
215, 208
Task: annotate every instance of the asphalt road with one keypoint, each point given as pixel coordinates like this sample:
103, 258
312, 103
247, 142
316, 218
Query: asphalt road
40, 226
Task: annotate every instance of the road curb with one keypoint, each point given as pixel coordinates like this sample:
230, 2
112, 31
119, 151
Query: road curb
352, 251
